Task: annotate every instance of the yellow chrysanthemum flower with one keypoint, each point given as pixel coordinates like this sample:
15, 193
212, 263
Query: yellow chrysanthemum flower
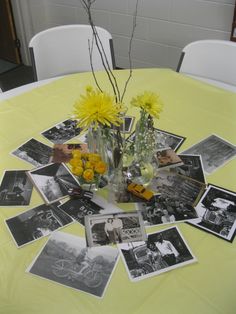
96, 108
149, 102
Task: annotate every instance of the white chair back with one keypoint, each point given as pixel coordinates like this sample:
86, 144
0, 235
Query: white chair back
211, 59
65, 49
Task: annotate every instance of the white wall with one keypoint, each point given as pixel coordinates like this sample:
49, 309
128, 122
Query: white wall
164, 27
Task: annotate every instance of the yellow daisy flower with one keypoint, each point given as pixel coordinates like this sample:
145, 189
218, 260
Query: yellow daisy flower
96, 108
149, 102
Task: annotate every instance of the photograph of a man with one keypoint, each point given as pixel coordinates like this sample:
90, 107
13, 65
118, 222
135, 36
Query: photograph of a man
117, 227
167, 250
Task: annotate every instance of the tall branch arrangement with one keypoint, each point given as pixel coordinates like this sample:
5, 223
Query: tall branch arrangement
119, 95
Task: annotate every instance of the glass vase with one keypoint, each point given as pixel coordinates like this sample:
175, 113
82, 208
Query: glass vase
141, 170
108, 143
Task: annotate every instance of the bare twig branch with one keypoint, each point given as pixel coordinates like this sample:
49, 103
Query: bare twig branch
130, 50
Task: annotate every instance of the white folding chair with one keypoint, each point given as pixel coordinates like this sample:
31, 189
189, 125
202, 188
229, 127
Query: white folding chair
65, 49
212, 61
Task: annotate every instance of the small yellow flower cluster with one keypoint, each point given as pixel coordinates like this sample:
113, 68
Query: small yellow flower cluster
87, 165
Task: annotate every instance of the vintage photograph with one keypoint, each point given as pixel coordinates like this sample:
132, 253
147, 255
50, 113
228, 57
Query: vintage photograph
166, 158
165, 210
114, 228
163, 251
63, 152
164, 139
62, 132
177, 187
217, 212
192, 167
126, 126
36, 223
53, 181
66, 260
81, 207
15, 188
215, 152
34, 152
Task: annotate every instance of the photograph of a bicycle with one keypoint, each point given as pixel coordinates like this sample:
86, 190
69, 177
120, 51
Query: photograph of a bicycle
65, 259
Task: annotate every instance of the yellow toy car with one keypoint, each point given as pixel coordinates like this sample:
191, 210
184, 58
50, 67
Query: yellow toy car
140, 191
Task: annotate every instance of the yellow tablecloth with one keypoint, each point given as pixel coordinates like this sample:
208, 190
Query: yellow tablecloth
192, 109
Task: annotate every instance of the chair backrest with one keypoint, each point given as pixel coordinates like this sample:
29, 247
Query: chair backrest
65, 49
212, 59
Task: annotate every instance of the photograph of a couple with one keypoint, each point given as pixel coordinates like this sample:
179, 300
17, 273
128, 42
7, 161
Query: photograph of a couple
114, 228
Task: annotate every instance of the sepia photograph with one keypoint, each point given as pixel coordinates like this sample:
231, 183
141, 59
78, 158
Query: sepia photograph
192, 167
81, 207
217, 212
165, 210
178, 187
36, 223
163, 251
62, 132
215, 152
114, 228
53, 181
67, 261
34, 152
15, 188
63, 152
166, 158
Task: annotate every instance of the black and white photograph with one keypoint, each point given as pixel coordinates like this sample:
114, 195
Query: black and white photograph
125, 127
178, 187
166, 158
215, 152
192, 167
62, 132
165, 210
163, 251
36, 223
81, 207
66, 260
164, 139
15, 188
53, 181
217, 213
34, 152
114, 228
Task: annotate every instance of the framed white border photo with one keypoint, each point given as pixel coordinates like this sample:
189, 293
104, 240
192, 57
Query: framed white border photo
15, 188
36, 223
62, 131
217, 213
163, 251
67, 261
215, 152
53, 181
114, 228
34, 152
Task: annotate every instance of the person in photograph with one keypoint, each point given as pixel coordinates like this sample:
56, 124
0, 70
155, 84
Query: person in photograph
83, 261
117, 225
109, 230
155, 257
166, 218
167, 250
